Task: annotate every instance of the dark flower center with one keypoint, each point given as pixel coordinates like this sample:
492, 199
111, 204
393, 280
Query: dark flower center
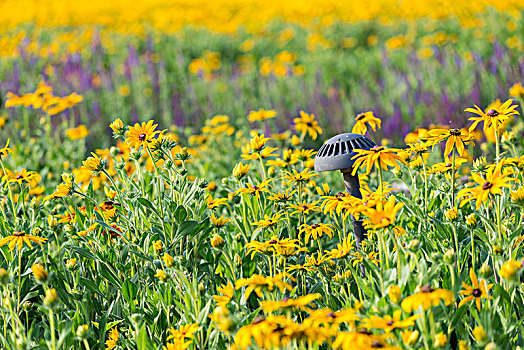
309, 124
487, 185
492, 113
258, 319
364, 331
330, 314
142, 137
255, 188
455, 132
315, 226
360, 116
376, 344
19, 234
377, 148
19, 177
476, 293
426, 289
273, 241
390, 323
304, 207
448, 165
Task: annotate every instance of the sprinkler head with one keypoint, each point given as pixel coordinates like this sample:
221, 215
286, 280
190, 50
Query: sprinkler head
337, 154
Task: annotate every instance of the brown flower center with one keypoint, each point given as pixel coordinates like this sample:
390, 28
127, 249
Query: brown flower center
376, 344
492, 113
455, 132
258, 319
360, 116
476, 293
487, 185
19, 177
390, 323
309, 124
273, 241
377, 148
142, 137
426, 289
19, 234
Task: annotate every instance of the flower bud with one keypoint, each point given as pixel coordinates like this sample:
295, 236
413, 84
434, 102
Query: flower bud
201, 287
463, 345
71, 264
238, 260
27, 305
480, 334
497, 250
82, 331
485, 271
413, 245
491, 346
394, 294
217, 241
440, 340
157, 246
510, 270
51, 298
471, 220
4, 276
451, 214
51, 221
168, 260
184, 154
449, 256
40, 273
37, 231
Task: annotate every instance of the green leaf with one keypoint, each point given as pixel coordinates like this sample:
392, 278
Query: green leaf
129, 291
144, 202
90, 285
142, 340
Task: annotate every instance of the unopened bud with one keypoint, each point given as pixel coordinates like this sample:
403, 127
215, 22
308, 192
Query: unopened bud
217, 241
51, 297
449, 256
40, 273
485, 271
82, 331
238, 260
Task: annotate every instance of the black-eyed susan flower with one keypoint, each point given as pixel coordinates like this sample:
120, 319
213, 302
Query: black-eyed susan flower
258, 142
94, 163
18, 238
4, 151
409, 337
168, 260
517, 196
298, 177
343, 249
426, 298
379, 155
227, 292
64, 189
142, 135
492, 116
213, 203
255, 190
288, 303
304, 207
112, 342
161, 275
20, 176
389, 323
476, 291
260, 115
258, 283
382, 215
117, 126
282, 197
491, 185
240, 170
363, 120
219, 222
306, 124
455, 139
268, 221
316, 231
77, 133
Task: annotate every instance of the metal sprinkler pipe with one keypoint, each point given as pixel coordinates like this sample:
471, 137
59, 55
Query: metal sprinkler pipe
337, 154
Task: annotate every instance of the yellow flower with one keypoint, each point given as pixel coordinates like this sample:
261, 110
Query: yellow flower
257, 283
77, 133
5, 150
383, 215
491, 185
426, 298
379, 156
306, 123
116, 125
492, 116
94, 163
21, 176
168, 260
510, 270
112, 342
18, 238
300, 302
394, 294
409, 338
268, 221
255, 190
261, 114
39, 272
517, 196
304, 207
217, 241
440, 340
454, 138
363, 121
142, 135
451, 214
240, 170
219, 221
161, 275
215, 203
480, 334
258, 141
298, 177
316, 230
227, 294
389, 323
157, 246
476, 291
517, 90
64, 189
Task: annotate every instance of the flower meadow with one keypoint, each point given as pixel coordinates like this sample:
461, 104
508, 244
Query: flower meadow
158, 183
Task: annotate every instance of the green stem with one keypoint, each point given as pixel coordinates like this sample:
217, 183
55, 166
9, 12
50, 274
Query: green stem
453, 180
377, 164
19, 279
52, 329
497, 150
